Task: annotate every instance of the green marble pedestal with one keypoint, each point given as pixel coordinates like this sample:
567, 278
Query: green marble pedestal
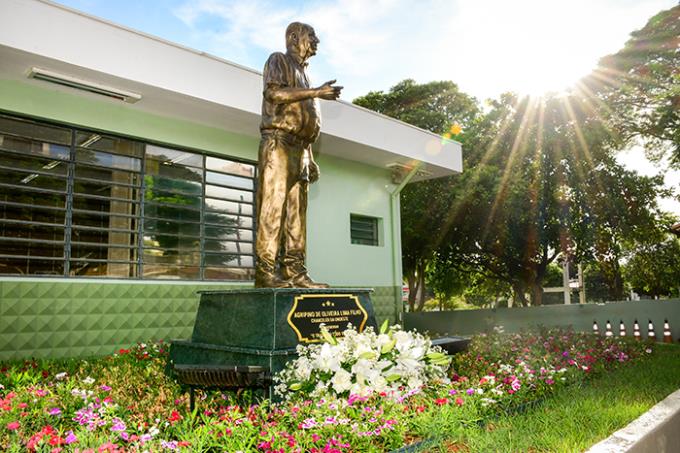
262, 327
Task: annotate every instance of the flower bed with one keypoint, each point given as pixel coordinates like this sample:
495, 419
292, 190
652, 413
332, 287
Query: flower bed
124, 402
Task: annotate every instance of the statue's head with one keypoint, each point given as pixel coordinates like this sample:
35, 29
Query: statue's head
301, 40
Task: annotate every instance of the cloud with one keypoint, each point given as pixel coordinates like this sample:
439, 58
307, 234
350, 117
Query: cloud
351, 31
485, 46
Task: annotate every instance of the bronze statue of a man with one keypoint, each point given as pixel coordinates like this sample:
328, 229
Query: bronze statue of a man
290, 124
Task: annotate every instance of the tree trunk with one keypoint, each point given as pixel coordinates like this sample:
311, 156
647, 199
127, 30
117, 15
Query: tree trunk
520, 299
618, 284
412, 290
614, 279
537, 284
421, 285
536, 294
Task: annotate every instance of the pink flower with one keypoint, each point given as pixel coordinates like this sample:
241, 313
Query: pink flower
109, 446
308, 423
12, 426
54, 411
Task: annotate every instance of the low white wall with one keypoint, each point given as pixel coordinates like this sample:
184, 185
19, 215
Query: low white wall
656, 431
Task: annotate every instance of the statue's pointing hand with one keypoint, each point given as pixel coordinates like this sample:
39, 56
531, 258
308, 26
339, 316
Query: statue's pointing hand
328, 91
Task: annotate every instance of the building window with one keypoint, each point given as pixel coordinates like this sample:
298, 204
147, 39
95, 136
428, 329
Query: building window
364, 230
83, 204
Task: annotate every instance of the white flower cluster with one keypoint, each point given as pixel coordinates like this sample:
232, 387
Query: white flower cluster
392, 361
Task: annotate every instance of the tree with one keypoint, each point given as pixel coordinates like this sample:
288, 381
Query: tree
654, 268
639, 86
434, 106
524, 159
618, 209
540, 179
516, 206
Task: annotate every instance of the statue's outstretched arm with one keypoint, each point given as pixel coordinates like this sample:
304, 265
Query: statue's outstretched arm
286, 95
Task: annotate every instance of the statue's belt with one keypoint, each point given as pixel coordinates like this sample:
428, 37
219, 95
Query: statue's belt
289, 138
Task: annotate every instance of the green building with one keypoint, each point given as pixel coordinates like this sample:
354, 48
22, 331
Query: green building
127, 172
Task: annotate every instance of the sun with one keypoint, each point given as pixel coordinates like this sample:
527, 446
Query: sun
533, 47
537, 78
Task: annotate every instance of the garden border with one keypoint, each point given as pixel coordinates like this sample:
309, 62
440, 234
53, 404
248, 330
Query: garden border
657, 430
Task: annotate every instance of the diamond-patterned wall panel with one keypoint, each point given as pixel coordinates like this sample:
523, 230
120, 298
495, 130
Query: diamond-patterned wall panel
387, 303
70, 319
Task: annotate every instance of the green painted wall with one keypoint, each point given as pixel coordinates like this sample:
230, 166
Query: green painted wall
63, 317
121, 118
580, 317
346, 188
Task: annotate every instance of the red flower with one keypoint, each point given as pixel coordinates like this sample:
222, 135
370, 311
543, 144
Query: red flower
459, 401
174, 416
56, 440
441, 401
13, 425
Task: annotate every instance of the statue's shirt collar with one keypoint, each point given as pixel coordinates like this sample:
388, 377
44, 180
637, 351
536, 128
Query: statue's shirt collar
297, 59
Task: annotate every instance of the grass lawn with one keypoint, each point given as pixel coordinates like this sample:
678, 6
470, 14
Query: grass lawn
576, 417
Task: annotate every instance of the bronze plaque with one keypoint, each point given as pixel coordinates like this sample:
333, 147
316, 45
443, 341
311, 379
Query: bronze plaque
335, 311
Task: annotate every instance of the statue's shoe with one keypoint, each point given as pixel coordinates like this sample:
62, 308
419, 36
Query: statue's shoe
305, 281
268, 280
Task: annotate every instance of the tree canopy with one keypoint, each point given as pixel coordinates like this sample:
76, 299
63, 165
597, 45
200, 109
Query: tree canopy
652, 269
541, 179
639, 86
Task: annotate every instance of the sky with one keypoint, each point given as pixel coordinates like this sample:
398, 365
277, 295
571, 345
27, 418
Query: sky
485, 46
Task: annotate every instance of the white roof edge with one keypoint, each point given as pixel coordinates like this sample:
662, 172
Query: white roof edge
149, 36
220, 59
398, 121
342, 119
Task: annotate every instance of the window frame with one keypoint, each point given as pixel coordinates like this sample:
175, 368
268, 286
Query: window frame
139, 218
375, 230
